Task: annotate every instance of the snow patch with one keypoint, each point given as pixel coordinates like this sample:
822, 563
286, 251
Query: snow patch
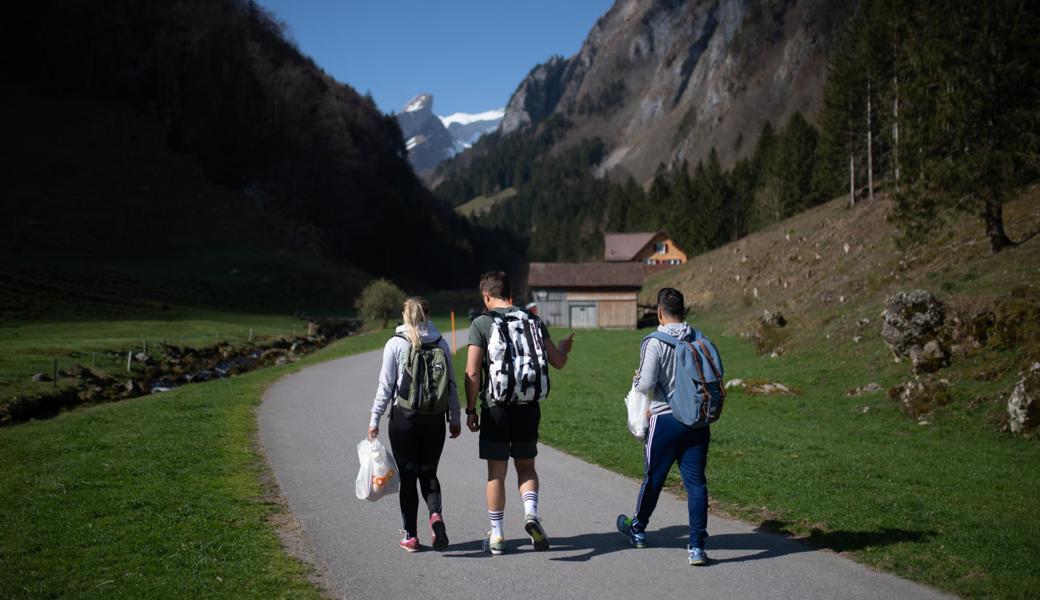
417, 103
467, 118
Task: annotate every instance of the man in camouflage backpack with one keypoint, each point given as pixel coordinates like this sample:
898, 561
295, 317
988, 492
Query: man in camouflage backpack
507, 367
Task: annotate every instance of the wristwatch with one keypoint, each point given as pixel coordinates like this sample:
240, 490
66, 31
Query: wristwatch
471, 411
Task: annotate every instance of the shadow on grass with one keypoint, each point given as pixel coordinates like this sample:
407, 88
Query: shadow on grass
771, 539
846, 541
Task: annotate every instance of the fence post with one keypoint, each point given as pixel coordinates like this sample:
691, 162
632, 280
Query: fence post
55, 372
129, 357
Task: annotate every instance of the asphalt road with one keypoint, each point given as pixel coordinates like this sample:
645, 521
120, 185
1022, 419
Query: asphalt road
311, 422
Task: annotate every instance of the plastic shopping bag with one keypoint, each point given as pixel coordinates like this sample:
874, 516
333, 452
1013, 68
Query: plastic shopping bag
638, 405
378, 475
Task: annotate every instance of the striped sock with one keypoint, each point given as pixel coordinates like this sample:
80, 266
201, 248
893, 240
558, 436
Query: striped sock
496, 522
531, 503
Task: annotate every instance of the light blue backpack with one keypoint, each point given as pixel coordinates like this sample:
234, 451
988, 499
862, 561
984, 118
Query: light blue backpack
699, 391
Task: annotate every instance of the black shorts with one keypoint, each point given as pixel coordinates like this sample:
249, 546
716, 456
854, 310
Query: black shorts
509, 431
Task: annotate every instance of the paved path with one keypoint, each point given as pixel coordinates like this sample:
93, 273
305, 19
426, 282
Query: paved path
310, 423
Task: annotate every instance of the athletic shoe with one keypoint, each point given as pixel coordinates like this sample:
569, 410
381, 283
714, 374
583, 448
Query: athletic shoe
533, 527
409, 543
636, 538
495, 545
440, 536
697, 557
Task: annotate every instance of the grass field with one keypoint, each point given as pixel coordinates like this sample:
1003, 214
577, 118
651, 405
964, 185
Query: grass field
154, 497
482, 204
951, 504
32, 347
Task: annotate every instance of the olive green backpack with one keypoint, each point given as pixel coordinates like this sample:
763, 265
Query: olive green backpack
426, 382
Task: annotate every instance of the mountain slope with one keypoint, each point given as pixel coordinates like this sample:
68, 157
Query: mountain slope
663, 82
230, 92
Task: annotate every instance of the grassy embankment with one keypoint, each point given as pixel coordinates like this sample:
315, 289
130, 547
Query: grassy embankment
158, 496
948, 501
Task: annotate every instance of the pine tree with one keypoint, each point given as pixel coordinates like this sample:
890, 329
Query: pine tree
973, 108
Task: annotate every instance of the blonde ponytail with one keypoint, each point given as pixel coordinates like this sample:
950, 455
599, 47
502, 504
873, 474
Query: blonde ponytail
415, 312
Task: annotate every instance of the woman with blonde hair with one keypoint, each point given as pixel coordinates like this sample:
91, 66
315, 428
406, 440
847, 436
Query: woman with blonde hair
417, 378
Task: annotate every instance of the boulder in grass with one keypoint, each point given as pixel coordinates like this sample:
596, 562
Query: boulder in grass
41, 377
769, 389
910, 322
1023, 405
921, 396
930, 358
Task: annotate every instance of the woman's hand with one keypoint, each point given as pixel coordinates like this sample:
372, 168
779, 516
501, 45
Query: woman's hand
373, 433
454, 429
473, 422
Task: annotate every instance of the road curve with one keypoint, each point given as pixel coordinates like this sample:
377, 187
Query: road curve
311, 421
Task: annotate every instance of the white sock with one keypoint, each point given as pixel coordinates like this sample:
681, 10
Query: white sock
531, 503
496, 523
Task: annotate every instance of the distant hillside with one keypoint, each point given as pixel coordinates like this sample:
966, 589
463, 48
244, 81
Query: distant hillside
227, 90
831, 266
483, 204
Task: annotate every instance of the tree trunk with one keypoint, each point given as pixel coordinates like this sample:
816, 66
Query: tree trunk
895, 130
870, 149
993, 215
852, 181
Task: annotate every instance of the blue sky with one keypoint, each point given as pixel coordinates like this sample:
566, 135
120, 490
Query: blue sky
469, 54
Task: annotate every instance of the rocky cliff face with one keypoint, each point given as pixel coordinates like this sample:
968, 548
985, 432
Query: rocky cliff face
427, 140
667, 80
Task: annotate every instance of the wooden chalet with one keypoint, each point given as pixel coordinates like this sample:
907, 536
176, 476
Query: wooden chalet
651, 248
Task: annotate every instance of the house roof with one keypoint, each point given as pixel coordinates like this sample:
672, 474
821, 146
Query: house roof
625, 246
590, 275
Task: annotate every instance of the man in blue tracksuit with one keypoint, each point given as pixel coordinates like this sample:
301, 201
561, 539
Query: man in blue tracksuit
667, 440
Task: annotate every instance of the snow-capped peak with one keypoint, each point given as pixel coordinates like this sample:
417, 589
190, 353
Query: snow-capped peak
418, 103
467, 118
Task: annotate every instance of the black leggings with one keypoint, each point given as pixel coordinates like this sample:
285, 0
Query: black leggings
416, 446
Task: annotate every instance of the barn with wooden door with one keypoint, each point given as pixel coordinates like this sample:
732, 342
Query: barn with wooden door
587, 295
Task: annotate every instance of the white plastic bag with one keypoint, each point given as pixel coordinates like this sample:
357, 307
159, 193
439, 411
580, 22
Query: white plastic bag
638, 405
378, 475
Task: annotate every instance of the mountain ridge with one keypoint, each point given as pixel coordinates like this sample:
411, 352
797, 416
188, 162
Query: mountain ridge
665, 82
431, 138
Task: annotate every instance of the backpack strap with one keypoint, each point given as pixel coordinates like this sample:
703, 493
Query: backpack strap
694, 355
663, 337
711, 362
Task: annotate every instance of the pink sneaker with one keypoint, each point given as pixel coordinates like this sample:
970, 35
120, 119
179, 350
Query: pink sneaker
440, 535
410, 544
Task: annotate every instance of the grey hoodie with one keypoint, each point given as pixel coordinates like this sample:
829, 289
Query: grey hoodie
656, 374
395, 355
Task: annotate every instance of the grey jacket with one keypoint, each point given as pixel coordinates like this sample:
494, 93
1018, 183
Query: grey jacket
656, 374
395, 355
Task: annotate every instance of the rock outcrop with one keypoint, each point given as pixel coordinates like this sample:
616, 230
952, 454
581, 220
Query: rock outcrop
920, 396
1023, 405
912, 326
